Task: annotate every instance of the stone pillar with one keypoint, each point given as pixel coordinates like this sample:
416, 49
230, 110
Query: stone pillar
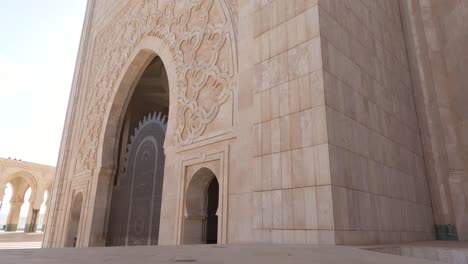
431, 126
13, 216
31, 220
47, 205
2, 192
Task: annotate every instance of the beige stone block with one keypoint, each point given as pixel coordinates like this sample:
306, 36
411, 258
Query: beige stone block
257, 97
281, 44
296, 165
326, 237
277, 236
265, 12
312, 21
310, 203
304, 92
283, 68
266, 78
308, 165
288, 237
266, 236
281, 11
353, 209
340, 208
277, 209
257, 78
267, 210
319, 130
273, 14
286, 169
276, 171
299, 6
296, 133
290, 9
299, 208
300, 237
306, 128
266, 138
334, 96
284, 99
265, 38
266, 109
266, 172
365, 212
298, 63
324, 207
257, 136
288, 213
314, 53
275, 135
294, 96
317, 91
301, 31
312, 237
310, 3
285, 133
257, 5
274, 71
257, 174
291, 25
274, 102
257, 23
258, 50
257, 210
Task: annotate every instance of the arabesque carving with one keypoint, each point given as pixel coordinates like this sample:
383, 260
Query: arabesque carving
199, 34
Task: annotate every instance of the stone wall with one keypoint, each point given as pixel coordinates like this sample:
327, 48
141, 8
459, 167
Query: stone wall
291, 202
314, 115
378, 180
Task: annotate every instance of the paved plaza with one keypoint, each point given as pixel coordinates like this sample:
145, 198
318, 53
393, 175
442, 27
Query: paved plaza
20, 240
245, 254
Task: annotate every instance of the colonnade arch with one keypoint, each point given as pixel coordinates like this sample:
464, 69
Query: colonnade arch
16, 177
23, 193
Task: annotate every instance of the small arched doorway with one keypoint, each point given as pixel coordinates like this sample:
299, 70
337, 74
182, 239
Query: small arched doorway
202, 198
75, 216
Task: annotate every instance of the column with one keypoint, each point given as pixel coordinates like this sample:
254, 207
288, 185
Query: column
13, 216
31, 220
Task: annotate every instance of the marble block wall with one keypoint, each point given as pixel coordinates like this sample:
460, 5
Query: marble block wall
291, 202
338, 156
379, 186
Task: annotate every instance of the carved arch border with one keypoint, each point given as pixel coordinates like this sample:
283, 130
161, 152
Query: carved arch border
184, 33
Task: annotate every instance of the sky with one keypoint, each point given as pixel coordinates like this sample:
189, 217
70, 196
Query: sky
39, 42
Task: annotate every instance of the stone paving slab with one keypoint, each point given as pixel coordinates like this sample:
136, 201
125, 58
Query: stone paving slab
209, 254
20, 237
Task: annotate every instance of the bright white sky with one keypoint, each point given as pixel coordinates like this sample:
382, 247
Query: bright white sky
39, 41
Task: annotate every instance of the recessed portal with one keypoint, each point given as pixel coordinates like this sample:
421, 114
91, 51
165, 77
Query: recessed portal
75, 215
201, 220
137, 193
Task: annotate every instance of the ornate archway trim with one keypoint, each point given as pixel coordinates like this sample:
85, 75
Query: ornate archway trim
200, 35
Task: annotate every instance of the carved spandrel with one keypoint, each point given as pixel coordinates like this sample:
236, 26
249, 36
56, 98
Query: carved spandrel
201, 37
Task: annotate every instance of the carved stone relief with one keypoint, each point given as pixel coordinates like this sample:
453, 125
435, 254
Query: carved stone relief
199, 34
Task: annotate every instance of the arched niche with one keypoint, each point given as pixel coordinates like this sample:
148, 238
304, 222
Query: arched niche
200, 225
74, 221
